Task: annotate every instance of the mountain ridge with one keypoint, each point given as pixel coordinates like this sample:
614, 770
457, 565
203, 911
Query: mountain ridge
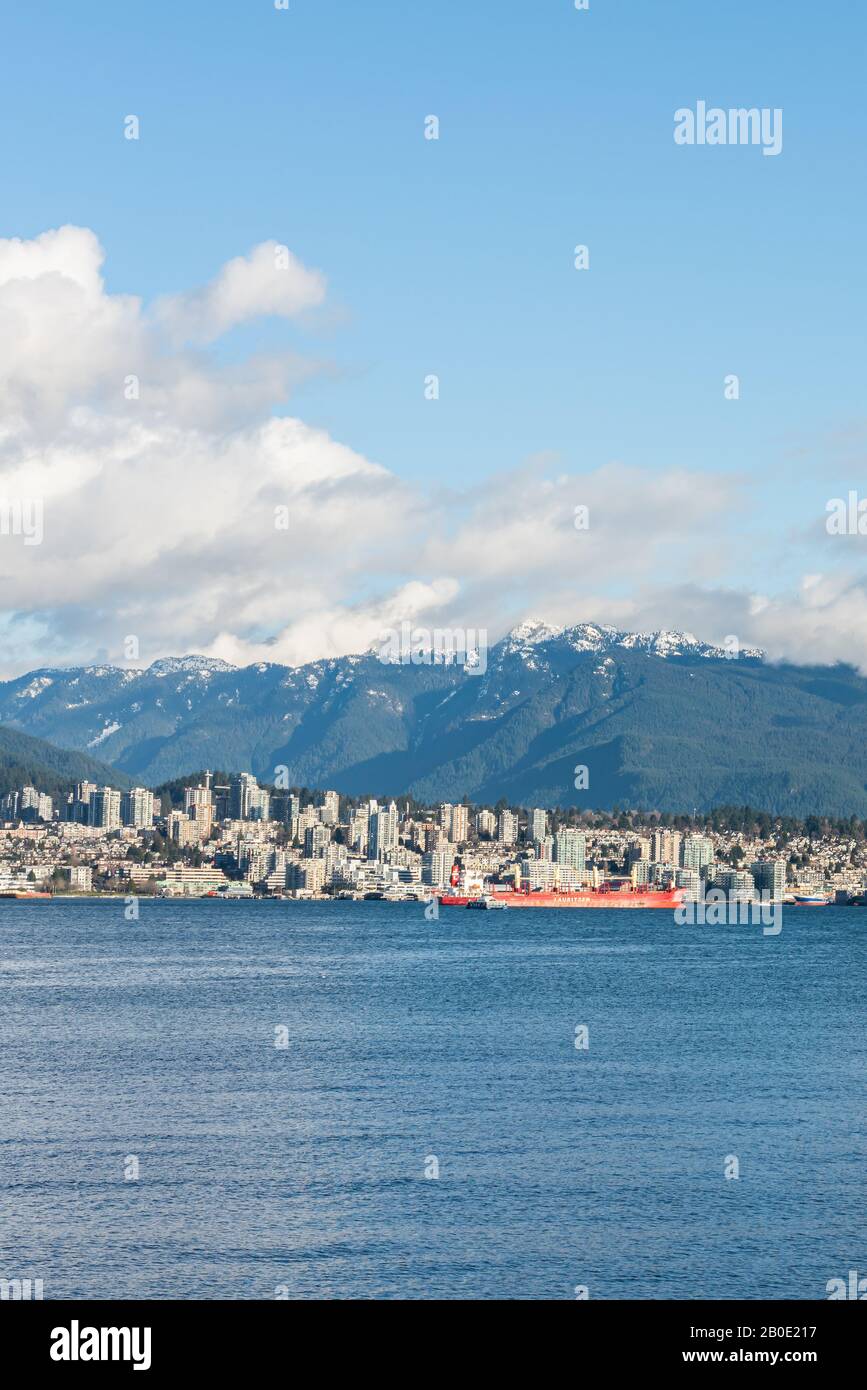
661, 720
29, 761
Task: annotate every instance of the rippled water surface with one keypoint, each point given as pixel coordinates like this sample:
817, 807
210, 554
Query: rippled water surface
303, 1168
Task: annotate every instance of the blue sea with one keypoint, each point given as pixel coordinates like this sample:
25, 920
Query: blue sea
414, 1048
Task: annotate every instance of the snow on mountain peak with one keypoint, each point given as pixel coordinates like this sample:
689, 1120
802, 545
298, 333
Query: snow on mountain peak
600, 637
199, 665
591, 637
532, 631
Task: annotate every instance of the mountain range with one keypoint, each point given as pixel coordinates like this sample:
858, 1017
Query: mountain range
660, 721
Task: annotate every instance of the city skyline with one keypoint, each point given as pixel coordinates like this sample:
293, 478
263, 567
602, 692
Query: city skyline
235, 838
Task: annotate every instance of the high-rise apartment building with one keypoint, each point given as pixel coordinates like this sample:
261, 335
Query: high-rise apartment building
639, 850
358, 828
435, 868
137, 808
570, 847
247, 800
459, 828
770, 878
35, 805
181, 829
696, 852
199, 796
738, 884
78, 805
317, 838
665, 846
104, 809
690, 881
382, 833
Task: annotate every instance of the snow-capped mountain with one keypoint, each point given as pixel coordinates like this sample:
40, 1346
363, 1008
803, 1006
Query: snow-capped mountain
660, 719
595, 637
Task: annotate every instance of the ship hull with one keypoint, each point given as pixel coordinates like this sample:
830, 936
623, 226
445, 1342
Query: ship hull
670, 900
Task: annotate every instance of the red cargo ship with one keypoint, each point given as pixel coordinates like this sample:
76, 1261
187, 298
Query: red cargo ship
586, 897
618, 894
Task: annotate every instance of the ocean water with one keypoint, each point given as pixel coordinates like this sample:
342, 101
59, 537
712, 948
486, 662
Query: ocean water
299, 1171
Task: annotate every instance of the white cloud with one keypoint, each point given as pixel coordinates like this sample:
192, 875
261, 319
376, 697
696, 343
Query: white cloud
159, 511
335, 631
271, 280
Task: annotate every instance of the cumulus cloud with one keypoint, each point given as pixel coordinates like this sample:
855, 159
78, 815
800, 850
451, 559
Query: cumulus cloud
179, 509
61, 335
336, 630
271, 280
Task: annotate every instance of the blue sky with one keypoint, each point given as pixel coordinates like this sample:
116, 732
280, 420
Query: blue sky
455, 256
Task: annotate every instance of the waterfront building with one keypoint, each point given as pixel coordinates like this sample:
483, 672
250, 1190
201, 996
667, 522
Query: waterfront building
770, 877
690, 881
537, 873
253, 860
187, 880
307, 876
435, 868
568, 878
570, 847
80, 877
738, 884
